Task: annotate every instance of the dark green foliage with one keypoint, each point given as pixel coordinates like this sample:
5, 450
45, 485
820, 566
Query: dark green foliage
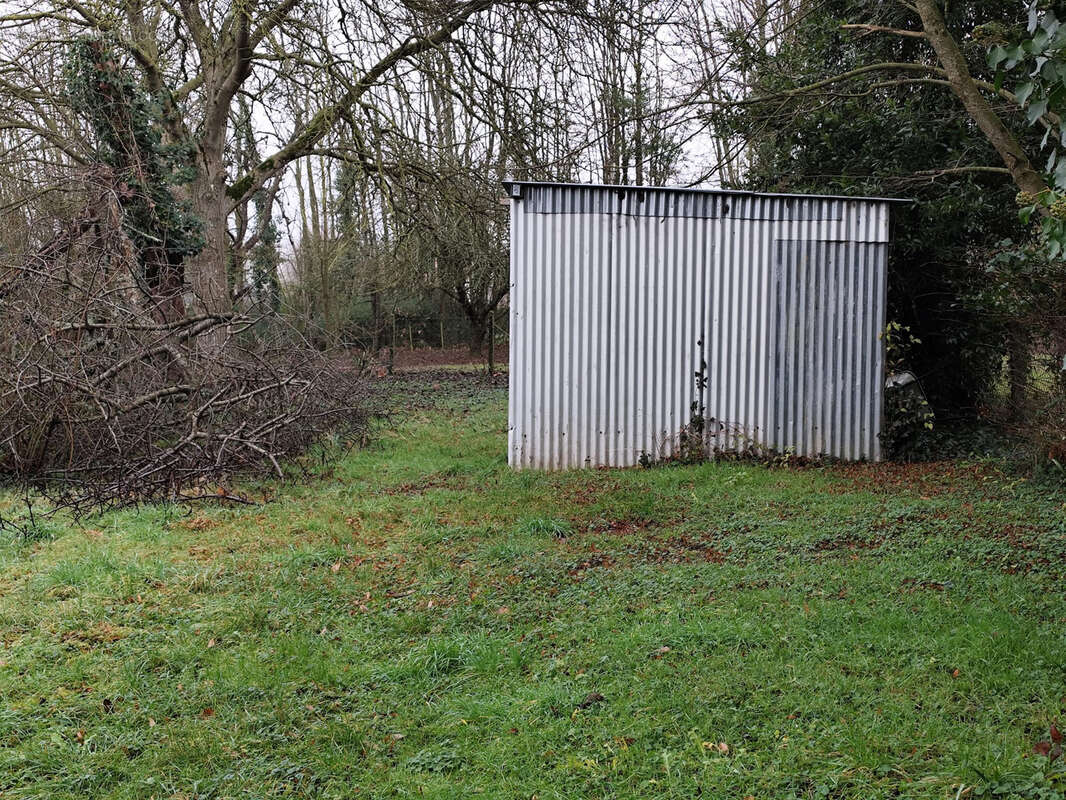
265, 260
1036, 61
1028, 283
907, 422
125, 124
872, 139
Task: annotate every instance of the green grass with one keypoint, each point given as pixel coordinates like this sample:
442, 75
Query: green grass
422, 622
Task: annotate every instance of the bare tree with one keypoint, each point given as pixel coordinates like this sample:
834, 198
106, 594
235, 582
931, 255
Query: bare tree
197, 58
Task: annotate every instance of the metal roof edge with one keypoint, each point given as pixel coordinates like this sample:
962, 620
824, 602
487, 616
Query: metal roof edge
510, 185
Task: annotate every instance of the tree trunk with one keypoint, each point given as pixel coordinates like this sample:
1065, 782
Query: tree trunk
375, 317
478, 326
206, 272
440, 317
977, 106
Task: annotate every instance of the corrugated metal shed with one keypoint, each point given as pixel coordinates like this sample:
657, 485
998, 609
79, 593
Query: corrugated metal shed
634, 307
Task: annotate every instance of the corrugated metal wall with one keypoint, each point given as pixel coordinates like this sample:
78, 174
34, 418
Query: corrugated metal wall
629, 306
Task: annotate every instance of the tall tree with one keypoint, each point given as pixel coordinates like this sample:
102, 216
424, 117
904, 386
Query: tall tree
196, 57
892, 135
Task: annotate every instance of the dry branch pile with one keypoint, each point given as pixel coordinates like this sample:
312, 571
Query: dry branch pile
110, 393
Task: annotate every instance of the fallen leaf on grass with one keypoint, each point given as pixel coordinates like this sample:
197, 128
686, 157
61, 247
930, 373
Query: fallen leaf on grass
1052, 749
198, 524
591, 699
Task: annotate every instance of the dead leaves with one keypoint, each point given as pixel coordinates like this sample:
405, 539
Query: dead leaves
652, 549
929, 478
198, 524
1051, 748
591, 699
201, 553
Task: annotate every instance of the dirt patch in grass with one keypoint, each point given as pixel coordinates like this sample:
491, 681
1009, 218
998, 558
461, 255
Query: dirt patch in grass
926, 479
427, 483
197, 523
619, 527
594, 560
201, 553
684, 549
1029, 549
421, 358
100, 633
406, 358
835, 543
646, 548
587, 492
911, 585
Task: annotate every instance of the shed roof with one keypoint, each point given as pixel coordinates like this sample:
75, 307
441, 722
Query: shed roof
514, 190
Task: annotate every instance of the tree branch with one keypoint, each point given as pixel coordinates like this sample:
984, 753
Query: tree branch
978, 107
868, 29
311, 133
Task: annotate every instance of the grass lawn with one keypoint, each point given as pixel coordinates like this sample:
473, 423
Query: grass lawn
422, 622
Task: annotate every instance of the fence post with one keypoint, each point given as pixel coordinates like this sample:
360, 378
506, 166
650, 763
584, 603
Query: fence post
441, 309
392, 344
